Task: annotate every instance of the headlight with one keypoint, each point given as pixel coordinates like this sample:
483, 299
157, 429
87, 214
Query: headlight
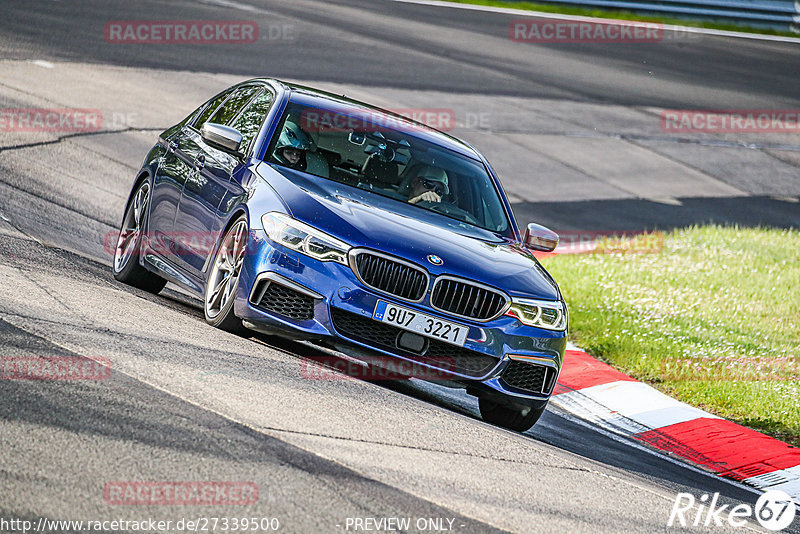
303, 238
548, 314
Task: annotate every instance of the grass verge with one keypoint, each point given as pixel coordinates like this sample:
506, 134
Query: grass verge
713, 319
621, 14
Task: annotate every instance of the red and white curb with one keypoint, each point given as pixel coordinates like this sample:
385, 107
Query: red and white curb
598, 393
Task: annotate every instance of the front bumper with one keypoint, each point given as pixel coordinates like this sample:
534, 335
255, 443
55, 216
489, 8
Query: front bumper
325, 301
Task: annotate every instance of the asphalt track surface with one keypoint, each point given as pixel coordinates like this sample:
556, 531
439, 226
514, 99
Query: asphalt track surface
187, 402
411, 46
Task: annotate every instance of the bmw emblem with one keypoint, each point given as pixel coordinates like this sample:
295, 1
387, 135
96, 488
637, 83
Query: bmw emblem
434, 259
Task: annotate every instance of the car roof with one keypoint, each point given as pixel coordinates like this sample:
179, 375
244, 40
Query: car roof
311, 96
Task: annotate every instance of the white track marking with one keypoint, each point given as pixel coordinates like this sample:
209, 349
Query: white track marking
786, 480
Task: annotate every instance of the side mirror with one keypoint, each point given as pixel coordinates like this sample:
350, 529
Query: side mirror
222, 137
537, 237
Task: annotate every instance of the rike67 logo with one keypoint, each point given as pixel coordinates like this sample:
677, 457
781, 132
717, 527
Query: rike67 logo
774, 510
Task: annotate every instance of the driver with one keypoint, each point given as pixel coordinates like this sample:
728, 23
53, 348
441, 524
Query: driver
430, 185
292, 147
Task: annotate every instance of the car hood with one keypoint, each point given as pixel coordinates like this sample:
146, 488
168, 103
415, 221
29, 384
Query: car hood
365, 219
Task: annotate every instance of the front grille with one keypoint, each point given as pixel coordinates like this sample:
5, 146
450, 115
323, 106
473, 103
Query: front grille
466, 299
286, 301
529, 377
437, 353
391, 276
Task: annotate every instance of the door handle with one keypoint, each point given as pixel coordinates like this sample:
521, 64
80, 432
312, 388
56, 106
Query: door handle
200, 162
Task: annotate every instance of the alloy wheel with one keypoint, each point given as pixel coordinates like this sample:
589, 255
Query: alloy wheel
225, 273
131, 228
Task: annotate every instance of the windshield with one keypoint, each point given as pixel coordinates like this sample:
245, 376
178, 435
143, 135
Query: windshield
379, 153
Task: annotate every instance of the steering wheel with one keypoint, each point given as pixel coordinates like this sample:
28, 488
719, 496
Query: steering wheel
451, 210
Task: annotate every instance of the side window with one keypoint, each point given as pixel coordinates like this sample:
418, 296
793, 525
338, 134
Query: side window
211, 108
234, 104
249, 121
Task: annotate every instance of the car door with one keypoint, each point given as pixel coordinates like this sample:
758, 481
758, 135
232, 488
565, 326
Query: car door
199, 217
174, 169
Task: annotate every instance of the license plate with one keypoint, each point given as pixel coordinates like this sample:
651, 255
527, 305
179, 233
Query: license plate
421, 324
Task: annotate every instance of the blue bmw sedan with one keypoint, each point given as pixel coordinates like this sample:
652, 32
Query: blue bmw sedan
300, 213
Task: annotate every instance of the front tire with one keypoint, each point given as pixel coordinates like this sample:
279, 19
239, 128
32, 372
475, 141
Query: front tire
512, 416
223, 279
126, 254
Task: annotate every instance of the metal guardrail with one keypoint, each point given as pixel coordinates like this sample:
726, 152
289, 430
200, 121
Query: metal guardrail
776, 14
